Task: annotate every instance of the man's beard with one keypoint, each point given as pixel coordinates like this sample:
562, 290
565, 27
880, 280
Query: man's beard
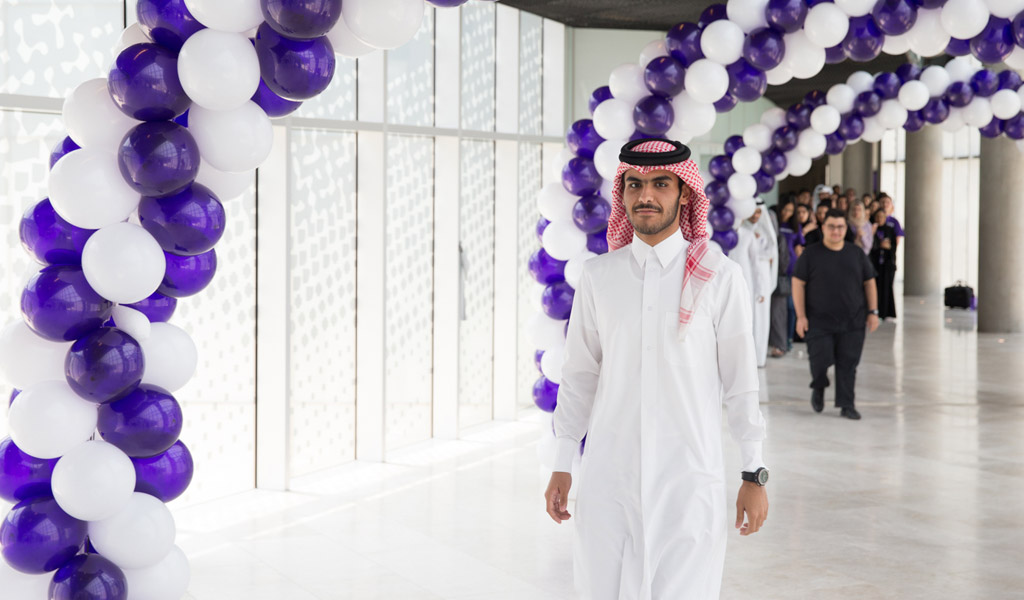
656, 227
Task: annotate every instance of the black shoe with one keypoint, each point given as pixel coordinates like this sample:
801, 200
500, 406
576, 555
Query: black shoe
818, 400
850, 413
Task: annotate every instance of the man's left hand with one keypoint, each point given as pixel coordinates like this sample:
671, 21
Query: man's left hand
752, 500
872, 323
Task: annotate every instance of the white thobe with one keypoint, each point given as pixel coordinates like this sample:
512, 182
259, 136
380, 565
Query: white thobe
757, 254
651, 510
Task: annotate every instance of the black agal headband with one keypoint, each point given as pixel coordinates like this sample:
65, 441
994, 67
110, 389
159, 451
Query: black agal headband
649, 159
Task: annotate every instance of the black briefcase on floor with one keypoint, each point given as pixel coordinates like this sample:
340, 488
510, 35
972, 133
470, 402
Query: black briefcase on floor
960, 295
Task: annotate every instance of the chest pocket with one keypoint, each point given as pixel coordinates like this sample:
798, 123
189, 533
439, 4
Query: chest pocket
700, 328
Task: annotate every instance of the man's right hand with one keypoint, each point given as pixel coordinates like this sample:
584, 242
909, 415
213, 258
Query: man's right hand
557, 496
801, 326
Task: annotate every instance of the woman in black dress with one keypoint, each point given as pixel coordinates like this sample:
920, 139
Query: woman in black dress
883, 257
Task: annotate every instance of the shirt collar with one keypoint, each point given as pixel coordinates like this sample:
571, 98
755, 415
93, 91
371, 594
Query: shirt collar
666, 251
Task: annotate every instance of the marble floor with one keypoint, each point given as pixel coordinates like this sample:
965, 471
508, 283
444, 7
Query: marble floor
922, 498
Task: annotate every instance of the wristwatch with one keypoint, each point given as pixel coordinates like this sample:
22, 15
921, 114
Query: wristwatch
873, 312
760, 476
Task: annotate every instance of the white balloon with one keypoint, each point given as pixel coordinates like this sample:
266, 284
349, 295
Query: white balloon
166, 580
964, 19
383, 23
693, 115
237, 140
93, 481
545, 332
954, 122
873, 129
606, 189
979, 112
797, 164
679, 133
927, 36
773, 118
27, 358
234, 16
123, 263
653, 50
861, 81
223, 184
138, 536
93, 120
741, 185
757, 136
841, 97
345, 43
574, 268
218, 70
171, 357
535, 297
962, 68
826, 25
811, 143
748, 14
779, 75
563, 240
48, 419
706, 81
855, 8
606, 158
722, 41
825, 119
1005, 9
555, 203
132, 322
551, 364
558, 162
1005, 104
132, 35
936, 79
896, 44
746, 160
86, 189
627, 83
892, 115
742, 209
804, 58
784, 174
913, 95
613, 119
1016, 58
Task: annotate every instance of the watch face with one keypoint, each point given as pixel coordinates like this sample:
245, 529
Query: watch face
762, 476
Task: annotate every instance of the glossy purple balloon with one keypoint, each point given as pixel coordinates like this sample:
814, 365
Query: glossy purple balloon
546, 269
721, 218
545, 394
556, 300
726, 103
957, 47
158, 158
63, 147
157, 308
664, 76
995, 42
894, 17
537, 357
683, 43
89, 577
851, 126
717, 192
985, 83
294, 69
1014, 127
799, 116
275, 106
887, 85
765, 182
959, 94
908, 72
14, 394
726, 239
786, 15
301, 19
1009, 80
167, 22
764, 48
144, 423
580, 177
715, 12
746, 82
181, 119
187, 223
591, 213
638, 135
815, 98
38, 537
834, 143
864, 39
1017, 26
165, 476
59, 305
188, 275
835, 55
785, 138
773, 161
653, 116
104, 365
598, 96
914, 121
936, 111
447, 3
144, 83
720, 167
867, 104
23, 476
598, 242
732, 144
50, 239
542, 224
583, 139
994, 128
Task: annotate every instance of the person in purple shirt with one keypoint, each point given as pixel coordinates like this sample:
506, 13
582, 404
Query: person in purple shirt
890, 218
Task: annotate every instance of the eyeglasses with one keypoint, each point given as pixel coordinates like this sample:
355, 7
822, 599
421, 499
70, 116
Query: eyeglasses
835, 227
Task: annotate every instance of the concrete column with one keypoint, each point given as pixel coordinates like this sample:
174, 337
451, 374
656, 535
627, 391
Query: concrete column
858, 170
1000, 252
923, 244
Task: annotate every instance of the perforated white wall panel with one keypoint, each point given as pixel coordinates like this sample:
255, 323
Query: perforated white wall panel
478, 31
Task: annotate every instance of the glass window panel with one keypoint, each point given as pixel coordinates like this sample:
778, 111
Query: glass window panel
411, 78
478, 63
531, 74
529, 187
338, 101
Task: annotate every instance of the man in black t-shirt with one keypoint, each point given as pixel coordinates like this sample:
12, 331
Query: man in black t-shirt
834, 295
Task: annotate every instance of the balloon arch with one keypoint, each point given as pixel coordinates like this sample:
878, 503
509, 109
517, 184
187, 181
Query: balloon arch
731, 55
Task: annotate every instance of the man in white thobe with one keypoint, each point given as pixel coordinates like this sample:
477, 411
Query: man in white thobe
757, 254
658, 341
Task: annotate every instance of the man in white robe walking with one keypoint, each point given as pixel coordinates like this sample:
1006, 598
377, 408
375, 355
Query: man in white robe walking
757, 254
659, 340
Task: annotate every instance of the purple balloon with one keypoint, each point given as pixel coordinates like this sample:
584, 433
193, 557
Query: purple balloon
1014, 127
59, 304
664, 76
591, 214
799, 116
23, 476
157, 308
867, 104
104, 365
181, 119
887, 85
764, 48
14, 394
598, 242
545, 394
583, 138
985, 83
851, 126
914, 121
165, 476
784, 138
50, 239
815, 98
1009, 80
720, 167
63, 147
957, 47
38, 537
275, 106
835, 55
721, 218
786, 15
994, 128
294, 69
726, 103
580, 177
653, 116
637, 135
894, 17
834, 143
717, 192
765, 182
144, 83
746, 82
447, 3
542, 224
935, 111
537, 357
556, 300
301, 19
683, 43
167, 22
598, 96
864, 40
159, 158
726, 239
908, 72
546, 269
732, 144
995, 42
89, 577
773, 161
715, 12
1017, 25
144, 423
187, 223
188, 275
959, 94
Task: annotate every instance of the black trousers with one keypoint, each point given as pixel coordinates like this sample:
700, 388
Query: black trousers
842, 349
886, 275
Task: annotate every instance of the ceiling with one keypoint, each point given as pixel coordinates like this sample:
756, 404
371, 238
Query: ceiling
661, 15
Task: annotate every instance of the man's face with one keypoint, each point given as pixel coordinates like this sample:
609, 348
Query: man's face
835, 229
754, 218
652, 201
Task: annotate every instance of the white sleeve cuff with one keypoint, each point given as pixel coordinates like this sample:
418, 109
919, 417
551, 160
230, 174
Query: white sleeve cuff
750, 454
565, 452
